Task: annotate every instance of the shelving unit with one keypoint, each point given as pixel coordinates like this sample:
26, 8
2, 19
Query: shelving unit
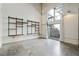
32, 25
14, 25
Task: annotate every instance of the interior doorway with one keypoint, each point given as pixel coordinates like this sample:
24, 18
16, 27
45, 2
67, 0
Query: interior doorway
54, 22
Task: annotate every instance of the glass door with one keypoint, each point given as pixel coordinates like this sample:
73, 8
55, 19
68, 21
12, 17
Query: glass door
54, 22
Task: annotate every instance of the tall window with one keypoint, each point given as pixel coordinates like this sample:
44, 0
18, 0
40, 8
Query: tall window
54, 18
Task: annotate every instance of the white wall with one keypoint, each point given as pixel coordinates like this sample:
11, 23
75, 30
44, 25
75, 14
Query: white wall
71, 23
78, 25
0, 25
19, 10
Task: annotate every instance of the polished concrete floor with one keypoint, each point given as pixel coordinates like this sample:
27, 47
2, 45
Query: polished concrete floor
54, 38
38, 47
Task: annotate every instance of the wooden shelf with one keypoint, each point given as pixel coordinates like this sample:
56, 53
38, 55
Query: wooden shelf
16, 35
19, 26
12, 28
14, 18
19, 34
11, 23
18, 22
11, 35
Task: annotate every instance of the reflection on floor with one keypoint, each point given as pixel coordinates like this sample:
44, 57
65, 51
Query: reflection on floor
38, 47
54, 38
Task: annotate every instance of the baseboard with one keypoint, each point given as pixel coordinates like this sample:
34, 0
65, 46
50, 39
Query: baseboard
42, 37
19, 39
76, 46
0, 45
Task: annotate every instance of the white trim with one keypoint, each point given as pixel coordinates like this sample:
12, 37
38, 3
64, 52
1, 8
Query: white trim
21, 38
71, 41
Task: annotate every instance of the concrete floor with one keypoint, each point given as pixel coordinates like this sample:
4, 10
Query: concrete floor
53, 38
38, 47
